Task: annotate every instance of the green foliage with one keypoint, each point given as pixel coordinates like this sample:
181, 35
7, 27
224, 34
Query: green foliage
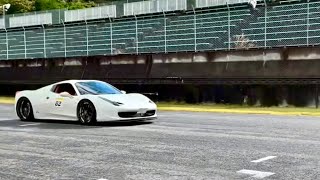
49, 4
80, 4
19, 6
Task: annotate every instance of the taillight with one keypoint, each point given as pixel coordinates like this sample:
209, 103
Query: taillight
17, 92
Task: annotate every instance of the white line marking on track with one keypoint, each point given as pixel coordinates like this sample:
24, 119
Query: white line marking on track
33, 124
256, 174
264, 159
5, 119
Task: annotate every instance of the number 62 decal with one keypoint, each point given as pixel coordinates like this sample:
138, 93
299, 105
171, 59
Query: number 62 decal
58, 103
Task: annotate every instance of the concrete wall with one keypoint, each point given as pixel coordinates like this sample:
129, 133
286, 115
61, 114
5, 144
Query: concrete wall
279, 63
179, 73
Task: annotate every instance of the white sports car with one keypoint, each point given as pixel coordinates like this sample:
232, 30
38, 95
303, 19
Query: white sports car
86, 101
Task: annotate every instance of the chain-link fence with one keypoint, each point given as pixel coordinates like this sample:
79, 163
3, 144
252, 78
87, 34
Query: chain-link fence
227, 27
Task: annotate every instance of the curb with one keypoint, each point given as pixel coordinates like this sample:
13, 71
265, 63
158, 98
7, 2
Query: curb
220, 110
7, 102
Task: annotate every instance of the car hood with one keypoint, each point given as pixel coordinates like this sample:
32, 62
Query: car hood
127, 99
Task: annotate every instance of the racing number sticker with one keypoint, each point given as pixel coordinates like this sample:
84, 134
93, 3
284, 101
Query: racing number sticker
58, 102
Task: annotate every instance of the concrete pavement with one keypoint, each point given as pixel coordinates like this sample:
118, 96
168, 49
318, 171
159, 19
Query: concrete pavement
178, 145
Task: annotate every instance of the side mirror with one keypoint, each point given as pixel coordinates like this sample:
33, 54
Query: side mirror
124, 92
66, 94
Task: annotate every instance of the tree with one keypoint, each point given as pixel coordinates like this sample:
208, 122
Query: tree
80, 4
41, 5
19, 6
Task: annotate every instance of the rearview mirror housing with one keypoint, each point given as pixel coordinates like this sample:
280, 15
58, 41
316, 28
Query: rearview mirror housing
124, 92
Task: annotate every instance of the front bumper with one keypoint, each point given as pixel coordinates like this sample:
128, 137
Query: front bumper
128, 114
128, 119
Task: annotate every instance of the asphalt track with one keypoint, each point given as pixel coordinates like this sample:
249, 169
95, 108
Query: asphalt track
178, 145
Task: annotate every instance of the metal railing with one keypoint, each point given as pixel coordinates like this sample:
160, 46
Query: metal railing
154, 6
30, 20
112, 9
141, 7
90, 13
208, 3
239, 27
2, 23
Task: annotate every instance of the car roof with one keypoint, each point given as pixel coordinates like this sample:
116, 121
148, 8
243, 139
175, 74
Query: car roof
73, 81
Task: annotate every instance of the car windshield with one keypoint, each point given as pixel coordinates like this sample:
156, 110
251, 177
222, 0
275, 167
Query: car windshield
96, 88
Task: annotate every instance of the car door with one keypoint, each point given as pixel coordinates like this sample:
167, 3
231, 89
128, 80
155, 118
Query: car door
63, 102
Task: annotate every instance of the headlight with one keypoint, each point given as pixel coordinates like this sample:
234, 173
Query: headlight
112, 102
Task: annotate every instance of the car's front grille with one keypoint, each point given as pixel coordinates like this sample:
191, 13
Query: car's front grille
134, 114
127, 114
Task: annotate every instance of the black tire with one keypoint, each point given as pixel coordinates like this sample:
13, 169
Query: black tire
24, 109
86, 112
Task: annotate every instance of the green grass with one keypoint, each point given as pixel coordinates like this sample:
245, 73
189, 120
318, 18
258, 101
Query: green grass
209, 107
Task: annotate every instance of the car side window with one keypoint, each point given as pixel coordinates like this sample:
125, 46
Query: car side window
65, 87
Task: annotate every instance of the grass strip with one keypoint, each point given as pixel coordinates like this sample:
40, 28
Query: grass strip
6, 100
240, 109
218, 108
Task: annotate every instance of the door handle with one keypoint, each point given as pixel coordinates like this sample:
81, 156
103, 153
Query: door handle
47, 98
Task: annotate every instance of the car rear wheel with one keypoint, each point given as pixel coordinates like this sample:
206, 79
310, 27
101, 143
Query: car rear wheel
24, 109
86, 112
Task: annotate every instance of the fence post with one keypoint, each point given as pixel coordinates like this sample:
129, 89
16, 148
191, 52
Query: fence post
177, 6
137, 40
44, 41
143, 8
308, 16
25, 42
7, 42
165, 31
229, 33
65, 39
59, 15
111, 45
4, 17
87, 37
317, 96
100, 12
265, 23
195, 29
